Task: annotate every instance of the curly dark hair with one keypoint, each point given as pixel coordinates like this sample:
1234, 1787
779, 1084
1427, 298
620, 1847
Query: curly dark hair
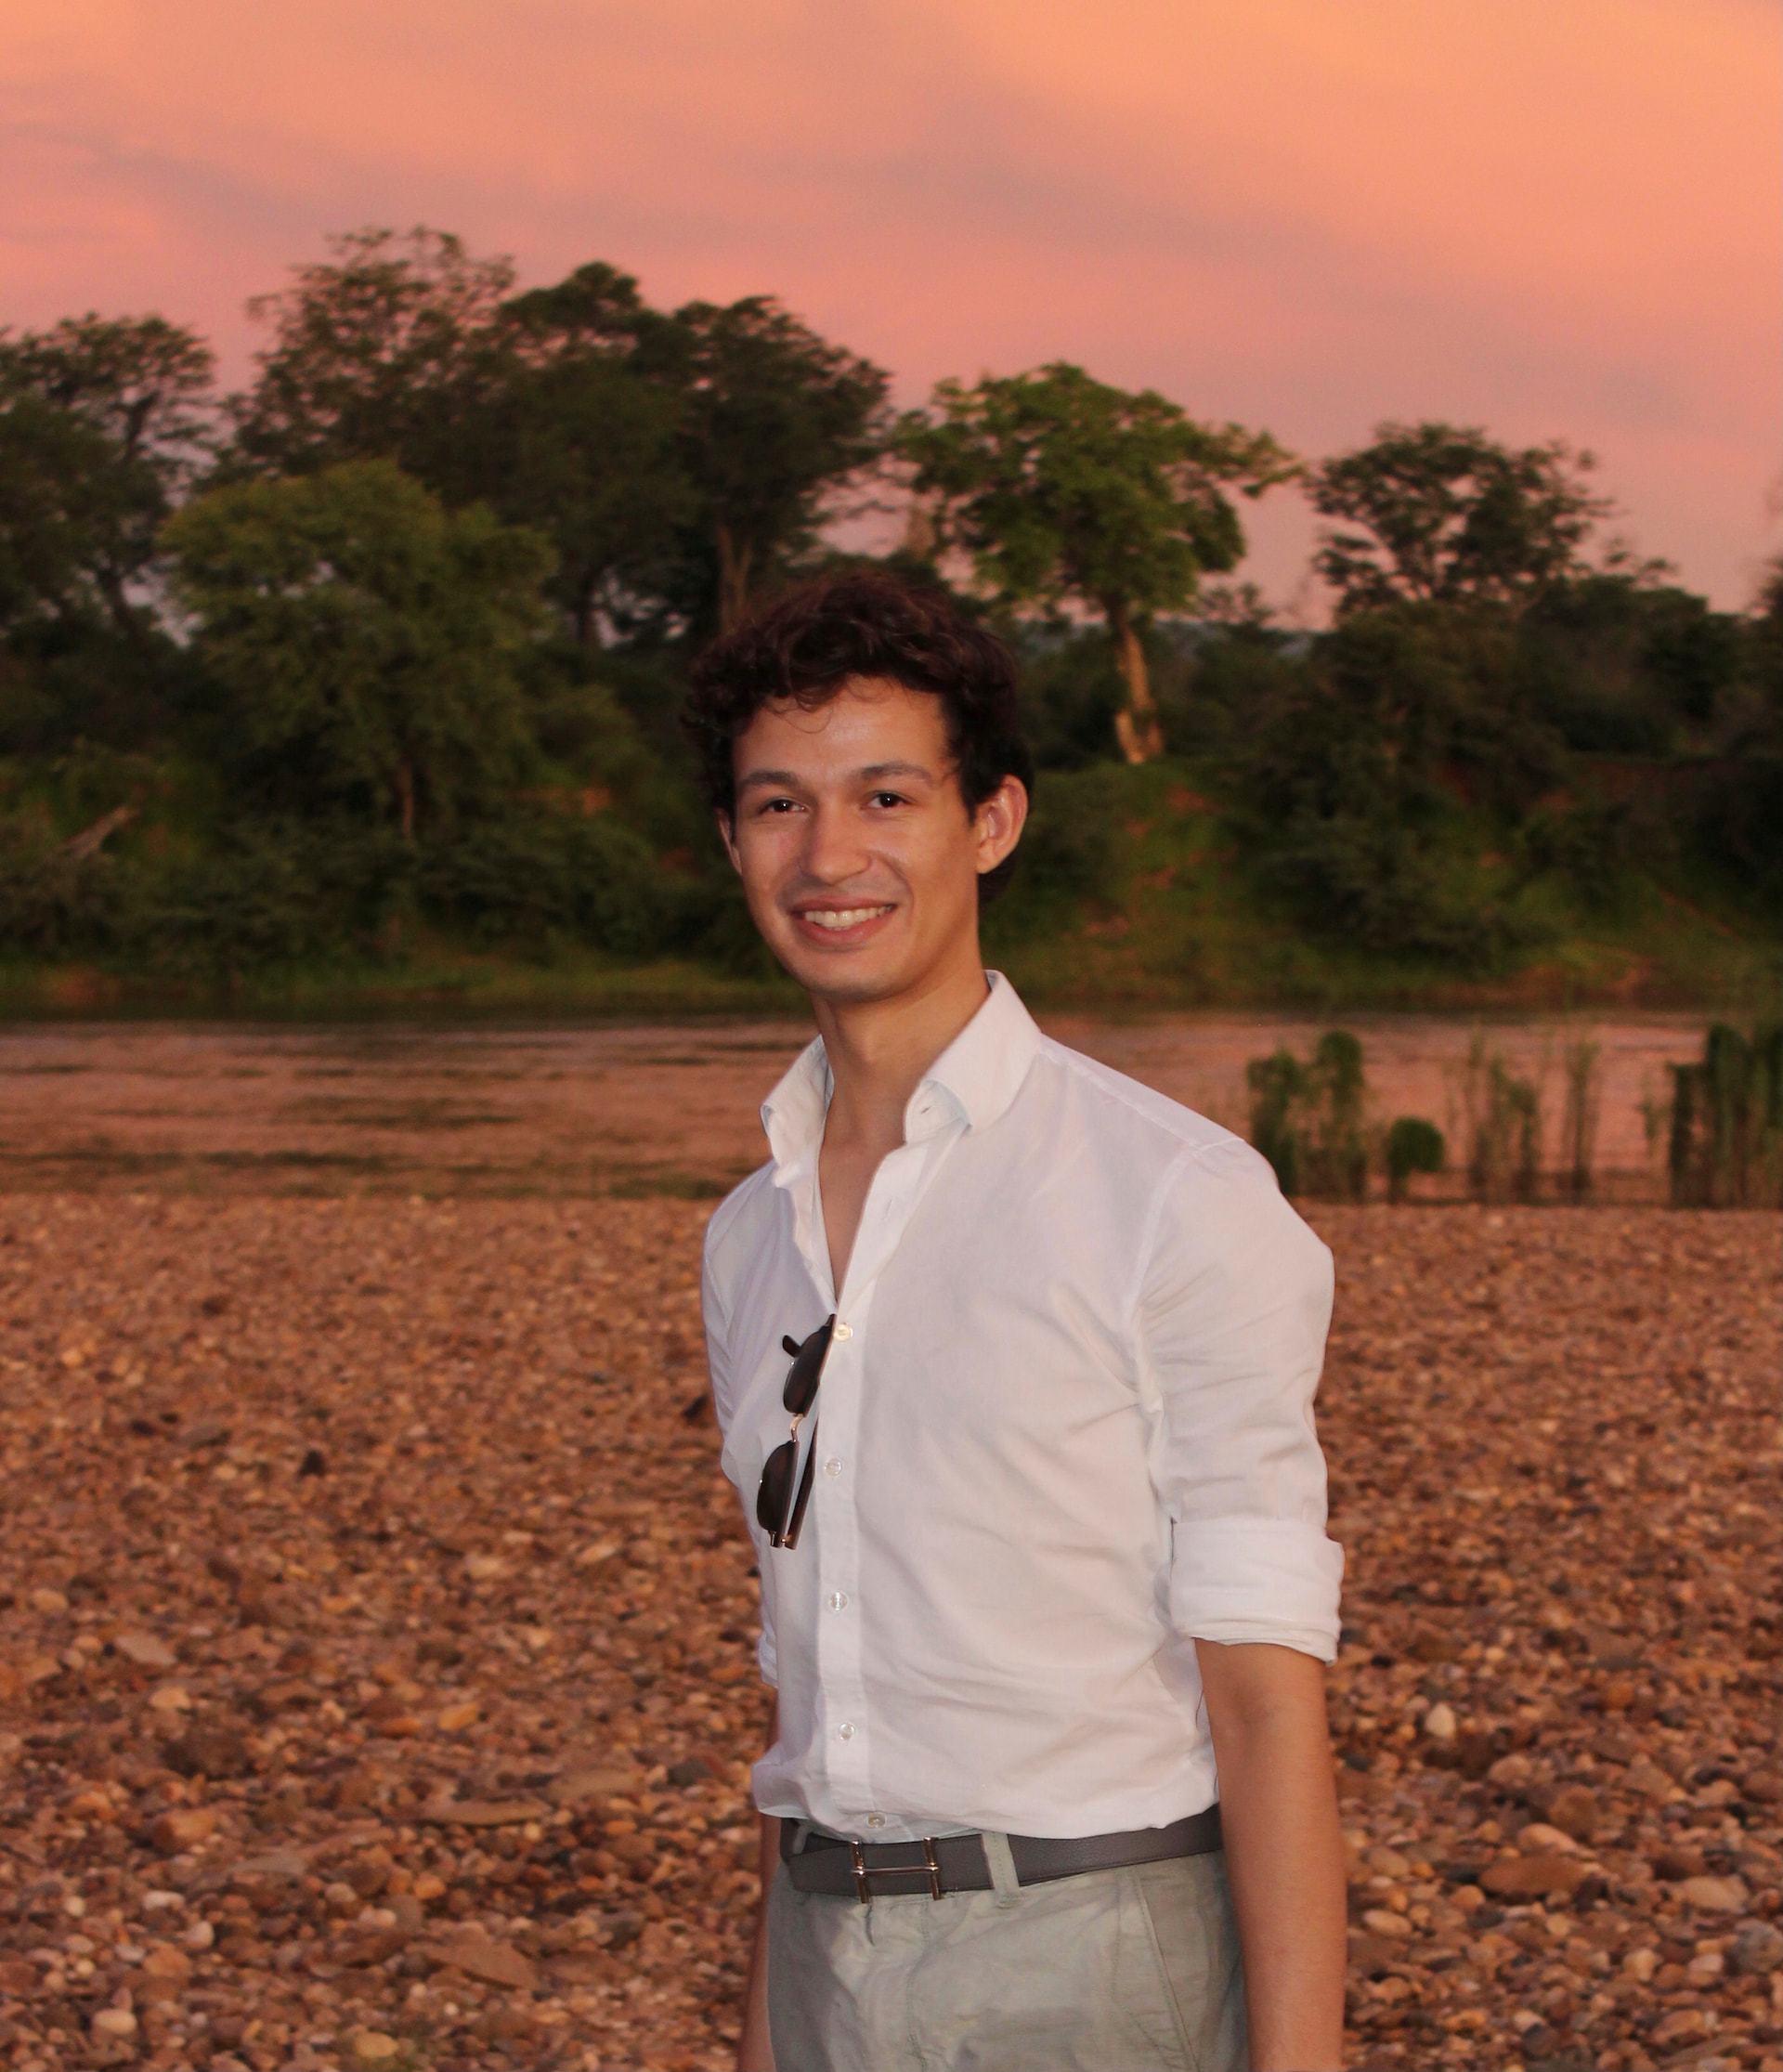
813, 641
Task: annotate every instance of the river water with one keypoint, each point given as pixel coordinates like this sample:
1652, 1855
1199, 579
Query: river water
651, 1109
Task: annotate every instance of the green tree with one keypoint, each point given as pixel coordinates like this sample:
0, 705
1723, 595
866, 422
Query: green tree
571, 437
365, 639
378, 351
772, 417
1064, 490
103, 423
1446, 515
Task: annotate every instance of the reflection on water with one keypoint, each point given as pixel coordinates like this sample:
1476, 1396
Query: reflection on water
653, 1109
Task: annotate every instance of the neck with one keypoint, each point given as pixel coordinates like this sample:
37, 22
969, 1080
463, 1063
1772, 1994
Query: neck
879, 1049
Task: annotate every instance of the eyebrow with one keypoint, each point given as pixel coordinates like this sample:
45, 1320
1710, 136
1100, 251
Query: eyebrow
872, 773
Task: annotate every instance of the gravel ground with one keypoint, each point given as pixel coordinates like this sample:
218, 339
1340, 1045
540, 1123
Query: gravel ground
375, 1672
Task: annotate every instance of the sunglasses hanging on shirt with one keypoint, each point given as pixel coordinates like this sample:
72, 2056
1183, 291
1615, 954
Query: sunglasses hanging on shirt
779, 1511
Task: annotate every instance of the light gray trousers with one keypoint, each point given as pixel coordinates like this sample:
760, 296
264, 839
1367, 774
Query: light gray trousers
1114, 1970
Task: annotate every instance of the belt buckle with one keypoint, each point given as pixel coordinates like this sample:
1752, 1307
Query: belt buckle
864, 1875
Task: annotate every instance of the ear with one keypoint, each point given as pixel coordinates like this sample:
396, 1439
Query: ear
727, 835
997, 823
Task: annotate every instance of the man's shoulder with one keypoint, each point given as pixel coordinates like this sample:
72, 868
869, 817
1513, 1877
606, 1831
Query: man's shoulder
1129, 1112
739, 1219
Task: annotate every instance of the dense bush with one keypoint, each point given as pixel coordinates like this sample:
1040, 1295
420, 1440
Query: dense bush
525, 881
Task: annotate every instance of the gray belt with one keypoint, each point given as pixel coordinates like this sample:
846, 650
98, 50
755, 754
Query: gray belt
819, 1861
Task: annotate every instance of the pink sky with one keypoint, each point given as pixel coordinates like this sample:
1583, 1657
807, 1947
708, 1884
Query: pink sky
1554, 218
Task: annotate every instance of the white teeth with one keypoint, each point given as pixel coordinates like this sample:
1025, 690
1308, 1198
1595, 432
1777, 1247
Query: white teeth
847, 916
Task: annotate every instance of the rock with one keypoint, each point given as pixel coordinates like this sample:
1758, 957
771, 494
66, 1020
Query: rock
1510, 1772
1372, 1953
576, 1787
214, 1752
1674, 1864
111, 2024
579, 1967
1714, 1895
171, 1698
1757, 1950
373, 1945
146, 1651
1764, 1787
454, 1719
1539, 1839
163, 1961
273, 1863
47, 1601
479, 1956
1439, 1722
484, 1813
1681, 2025
1575, 1811
374, 2047
1383, 1920
183, 1827
1532, 1877
17, 1975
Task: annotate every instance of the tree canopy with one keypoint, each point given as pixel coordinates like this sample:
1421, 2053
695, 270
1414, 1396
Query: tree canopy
773, 418
1442, 513
103, 423
375, 353
1063, 491
365, 639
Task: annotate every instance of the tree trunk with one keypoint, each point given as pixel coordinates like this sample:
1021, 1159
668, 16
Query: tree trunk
127, 620
1136, 725
406, 796
732, 578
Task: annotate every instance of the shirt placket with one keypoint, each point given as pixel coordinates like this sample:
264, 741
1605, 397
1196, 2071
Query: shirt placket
847, 1726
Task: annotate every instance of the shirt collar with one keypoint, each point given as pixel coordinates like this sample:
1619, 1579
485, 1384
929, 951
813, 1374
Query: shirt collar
975, 1078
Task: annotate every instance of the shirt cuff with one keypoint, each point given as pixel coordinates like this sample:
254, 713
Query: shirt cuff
1250, 1579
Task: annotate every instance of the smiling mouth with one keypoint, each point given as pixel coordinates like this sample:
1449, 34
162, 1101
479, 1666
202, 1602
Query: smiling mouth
834, 920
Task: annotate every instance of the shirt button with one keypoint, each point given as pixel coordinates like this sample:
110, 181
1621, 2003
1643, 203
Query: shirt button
832, 1465
843, 1330
876, 1820
845, 1732
837, 1601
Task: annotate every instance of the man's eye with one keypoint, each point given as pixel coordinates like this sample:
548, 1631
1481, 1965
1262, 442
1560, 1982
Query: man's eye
780, 805
888, 799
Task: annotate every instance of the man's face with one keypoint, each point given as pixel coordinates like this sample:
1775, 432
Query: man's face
858, 857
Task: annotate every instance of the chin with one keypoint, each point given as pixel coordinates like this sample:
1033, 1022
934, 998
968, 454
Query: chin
874, 972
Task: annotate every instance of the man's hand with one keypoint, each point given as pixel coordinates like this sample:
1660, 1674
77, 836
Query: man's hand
1284, 1851
755, 2046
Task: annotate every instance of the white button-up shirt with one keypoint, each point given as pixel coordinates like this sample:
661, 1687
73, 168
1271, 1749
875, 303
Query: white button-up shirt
1065, 1425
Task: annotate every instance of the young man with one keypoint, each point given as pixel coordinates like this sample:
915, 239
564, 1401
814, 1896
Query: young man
1014, 1362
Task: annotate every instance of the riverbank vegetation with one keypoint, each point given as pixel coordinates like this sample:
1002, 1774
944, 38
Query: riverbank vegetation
359, 688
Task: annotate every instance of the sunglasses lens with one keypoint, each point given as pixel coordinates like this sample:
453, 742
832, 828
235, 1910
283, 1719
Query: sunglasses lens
776, 1485
807, 1369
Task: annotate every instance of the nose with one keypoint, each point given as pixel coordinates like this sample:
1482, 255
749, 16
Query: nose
835, 849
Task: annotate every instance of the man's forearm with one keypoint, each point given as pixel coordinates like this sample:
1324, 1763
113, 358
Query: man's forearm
755, 2047
1284, 1850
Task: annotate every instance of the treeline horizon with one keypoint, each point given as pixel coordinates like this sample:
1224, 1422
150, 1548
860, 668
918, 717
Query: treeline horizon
385, 649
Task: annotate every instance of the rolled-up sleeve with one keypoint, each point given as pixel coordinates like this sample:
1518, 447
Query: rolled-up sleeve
1232, 1308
